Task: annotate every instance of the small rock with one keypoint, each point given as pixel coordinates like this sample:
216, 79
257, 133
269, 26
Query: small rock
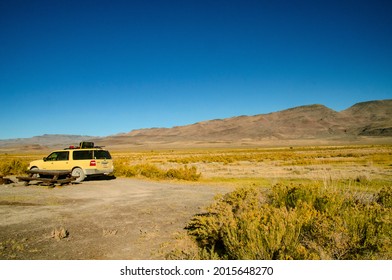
60, 233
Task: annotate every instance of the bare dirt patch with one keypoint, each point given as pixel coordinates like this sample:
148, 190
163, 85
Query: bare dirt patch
106, 219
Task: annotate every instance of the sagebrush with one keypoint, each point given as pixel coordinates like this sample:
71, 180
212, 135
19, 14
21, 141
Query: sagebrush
295, 222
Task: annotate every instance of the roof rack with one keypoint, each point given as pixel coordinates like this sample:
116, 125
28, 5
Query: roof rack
84, 145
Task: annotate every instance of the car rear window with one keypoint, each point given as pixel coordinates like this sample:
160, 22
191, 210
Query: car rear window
102, 154
80, 155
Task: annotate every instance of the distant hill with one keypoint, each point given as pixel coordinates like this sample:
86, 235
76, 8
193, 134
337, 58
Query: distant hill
366, 122
304, 124
43, 142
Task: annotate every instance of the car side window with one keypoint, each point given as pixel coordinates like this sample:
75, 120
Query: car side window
55, 156
84, 154
63, 156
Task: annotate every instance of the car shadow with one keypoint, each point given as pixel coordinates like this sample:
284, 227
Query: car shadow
100, 178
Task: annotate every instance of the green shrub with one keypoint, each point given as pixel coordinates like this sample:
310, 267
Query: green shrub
294, 222
384, 197
291, 196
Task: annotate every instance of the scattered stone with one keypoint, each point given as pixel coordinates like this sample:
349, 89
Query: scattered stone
59, 234
109, 232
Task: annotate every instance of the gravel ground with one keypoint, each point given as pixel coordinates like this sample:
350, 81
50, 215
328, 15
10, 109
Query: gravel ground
97, 219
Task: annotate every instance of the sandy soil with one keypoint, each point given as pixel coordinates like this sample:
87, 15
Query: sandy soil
104, 219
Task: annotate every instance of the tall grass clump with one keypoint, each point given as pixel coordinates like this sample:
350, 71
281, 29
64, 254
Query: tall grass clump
295, 222
13, 167
151, 171
183, 173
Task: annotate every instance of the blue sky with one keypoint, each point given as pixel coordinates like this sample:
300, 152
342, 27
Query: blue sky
105, 67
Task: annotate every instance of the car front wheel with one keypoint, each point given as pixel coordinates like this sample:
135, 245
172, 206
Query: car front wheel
79, 174
35, 175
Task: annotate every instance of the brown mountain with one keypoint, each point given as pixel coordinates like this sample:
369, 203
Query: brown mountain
42, 143
364, 122
370, 118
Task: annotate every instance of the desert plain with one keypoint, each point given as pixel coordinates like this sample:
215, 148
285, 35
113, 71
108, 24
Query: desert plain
144, 217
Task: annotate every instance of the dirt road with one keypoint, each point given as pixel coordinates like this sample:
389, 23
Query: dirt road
105, 219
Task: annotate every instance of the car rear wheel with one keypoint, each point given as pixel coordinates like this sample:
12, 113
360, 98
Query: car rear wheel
79, 174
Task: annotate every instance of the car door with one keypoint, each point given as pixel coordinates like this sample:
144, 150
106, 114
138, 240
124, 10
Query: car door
103, 161
57, 161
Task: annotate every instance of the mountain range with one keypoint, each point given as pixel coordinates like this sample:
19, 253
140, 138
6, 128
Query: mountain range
365, 122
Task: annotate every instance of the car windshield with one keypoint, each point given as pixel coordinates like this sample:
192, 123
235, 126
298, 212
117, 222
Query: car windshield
102, 154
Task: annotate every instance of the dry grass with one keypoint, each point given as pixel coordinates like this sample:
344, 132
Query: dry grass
245, 166
292, 203
270, 166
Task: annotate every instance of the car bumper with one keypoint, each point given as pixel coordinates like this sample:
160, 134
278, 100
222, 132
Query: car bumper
98, 171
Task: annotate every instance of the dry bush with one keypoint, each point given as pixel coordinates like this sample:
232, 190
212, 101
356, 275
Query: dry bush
13, 167
147, 170
295, 222
384, 197
183, 173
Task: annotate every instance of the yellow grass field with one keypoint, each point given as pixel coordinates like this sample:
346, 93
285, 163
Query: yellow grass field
321, 202
290, 203
354, 165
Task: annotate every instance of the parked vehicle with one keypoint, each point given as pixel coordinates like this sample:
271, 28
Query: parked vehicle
83, 160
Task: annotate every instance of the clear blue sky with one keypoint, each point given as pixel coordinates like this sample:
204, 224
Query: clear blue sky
104, 67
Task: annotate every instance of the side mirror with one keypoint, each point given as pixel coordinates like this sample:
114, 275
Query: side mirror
44, 159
